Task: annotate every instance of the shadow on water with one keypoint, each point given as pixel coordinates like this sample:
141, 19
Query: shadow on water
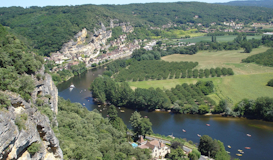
231, 131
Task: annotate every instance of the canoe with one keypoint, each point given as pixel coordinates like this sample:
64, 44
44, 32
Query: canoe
229, 146
247, 148
239, 154
208, 124
122, 111
183, 130
248, 135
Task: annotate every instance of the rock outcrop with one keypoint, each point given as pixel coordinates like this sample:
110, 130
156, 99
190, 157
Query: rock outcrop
45, 86
23, 125
89, 44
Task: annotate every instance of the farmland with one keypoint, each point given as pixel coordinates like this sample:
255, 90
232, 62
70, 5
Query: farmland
249, 80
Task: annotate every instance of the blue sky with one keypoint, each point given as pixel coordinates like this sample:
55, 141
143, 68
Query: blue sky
28, 3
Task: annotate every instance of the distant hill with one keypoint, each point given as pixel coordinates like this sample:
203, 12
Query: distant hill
48, 28
258, 3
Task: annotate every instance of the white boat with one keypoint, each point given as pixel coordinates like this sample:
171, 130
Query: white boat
72, 86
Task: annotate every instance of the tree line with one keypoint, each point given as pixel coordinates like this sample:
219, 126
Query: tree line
120, 94
265, 58
261, 108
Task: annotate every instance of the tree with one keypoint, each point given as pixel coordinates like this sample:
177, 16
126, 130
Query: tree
205, 145
203, 109
146, 127
140, 126
270, 83
135, 121
247, 47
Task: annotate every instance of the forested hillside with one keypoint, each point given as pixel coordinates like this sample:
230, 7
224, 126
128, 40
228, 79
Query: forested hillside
16, 62
87, 135
182, 12
257, 3
47, 28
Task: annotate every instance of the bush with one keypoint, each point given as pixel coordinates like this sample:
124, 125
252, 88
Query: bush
39, 76
270, 83
34, 148
20, 121
4, 101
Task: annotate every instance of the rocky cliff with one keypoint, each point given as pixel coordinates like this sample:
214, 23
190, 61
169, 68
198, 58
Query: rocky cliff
25, 133
88, 43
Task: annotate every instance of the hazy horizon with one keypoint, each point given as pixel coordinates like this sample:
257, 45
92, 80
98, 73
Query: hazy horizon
29, 3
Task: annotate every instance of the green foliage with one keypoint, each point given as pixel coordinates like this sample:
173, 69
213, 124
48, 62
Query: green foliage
270, 83
15, 64
260, 108
182, 12
21, 120
140, 126
87, 135
4, 101
203, 109
48, 28
212, 148
34, 148
265, 58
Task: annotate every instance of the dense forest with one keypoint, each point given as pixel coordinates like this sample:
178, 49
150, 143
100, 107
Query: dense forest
87, 135
48, 28
181, 99
16, 65
257, 3
183, 12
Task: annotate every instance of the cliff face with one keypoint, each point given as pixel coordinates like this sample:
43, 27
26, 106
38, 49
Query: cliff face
22, 125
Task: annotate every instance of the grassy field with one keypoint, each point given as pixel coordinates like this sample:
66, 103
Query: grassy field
218, 38
229, 59
249, 80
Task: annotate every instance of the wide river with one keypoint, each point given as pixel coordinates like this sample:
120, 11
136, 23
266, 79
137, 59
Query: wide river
231, 131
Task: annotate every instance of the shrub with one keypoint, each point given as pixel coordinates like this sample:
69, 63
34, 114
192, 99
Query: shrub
270, 83
34, 148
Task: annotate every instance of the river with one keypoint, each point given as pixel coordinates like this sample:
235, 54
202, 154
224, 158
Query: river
231, 131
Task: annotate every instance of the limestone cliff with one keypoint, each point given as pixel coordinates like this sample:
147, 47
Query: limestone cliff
88, 43
22, 125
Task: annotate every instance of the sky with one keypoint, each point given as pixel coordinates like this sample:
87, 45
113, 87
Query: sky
28, 3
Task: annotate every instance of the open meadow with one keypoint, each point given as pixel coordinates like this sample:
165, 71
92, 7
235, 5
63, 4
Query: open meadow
249, 80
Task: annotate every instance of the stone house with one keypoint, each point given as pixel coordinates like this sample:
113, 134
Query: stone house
159, 149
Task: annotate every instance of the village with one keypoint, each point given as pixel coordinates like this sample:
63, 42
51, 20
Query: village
94, 48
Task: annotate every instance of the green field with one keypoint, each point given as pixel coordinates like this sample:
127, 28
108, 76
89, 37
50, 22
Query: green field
218, 38
249, 80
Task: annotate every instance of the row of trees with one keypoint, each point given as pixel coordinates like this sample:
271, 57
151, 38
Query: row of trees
158, 70
183, 96
265, 58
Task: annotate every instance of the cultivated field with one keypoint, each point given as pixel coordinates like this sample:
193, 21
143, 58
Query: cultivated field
226, 38
249, 80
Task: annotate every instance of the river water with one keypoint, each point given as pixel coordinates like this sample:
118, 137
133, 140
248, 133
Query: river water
231, 131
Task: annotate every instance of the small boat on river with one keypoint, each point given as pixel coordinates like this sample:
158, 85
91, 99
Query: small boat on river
239, 154
229, 146
248, 135
198, 135
208, 124
72, 86
240, 150
122, 111
183, 130
247, 148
